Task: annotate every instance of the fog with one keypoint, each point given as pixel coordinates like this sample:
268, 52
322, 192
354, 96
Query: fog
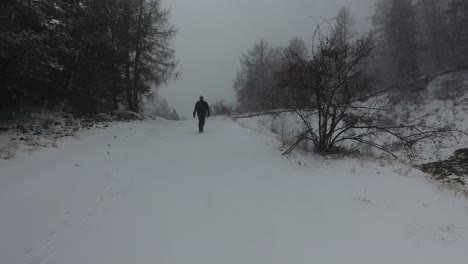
214, 33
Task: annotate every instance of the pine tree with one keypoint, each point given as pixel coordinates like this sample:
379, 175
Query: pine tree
256, 77
342, 31
89, 54
382, 61
457, 30
32, 43
400, 38
430, 34
154, 62
298, 46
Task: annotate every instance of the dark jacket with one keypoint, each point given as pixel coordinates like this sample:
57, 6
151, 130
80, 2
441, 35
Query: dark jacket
201, 108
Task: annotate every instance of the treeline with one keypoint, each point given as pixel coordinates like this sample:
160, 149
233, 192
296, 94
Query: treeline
325, 83
83, 55
420, 37
261, 67
159, 106
409, 38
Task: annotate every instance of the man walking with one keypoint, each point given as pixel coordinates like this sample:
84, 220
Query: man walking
203, 111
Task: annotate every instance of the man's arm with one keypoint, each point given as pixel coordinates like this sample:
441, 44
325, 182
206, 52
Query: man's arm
195, 110
208, 109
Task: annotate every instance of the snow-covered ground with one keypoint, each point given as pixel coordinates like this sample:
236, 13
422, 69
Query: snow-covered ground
41, 130
159, 192
443, 103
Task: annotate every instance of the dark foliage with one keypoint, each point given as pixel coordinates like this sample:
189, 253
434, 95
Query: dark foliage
88, 55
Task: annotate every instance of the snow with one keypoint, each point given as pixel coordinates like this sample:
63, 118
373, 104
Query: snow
159, 192
54, 22
444, 103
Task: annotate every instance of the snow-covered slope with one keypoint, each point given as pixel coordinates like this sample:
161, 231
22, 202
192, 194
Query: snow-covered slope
159, 192
443, 103
44, 129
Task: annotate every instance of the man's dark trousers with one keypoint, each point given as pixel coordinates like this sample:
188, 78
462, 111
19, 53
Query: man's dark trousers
201, 122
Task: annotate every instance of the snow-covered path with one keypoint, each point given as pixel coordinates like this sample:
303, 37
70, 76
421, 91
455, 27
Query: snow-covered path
158, 192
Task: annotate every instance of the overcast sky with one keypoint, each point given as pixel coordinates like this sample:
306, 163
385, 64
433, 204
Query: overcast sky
214, 33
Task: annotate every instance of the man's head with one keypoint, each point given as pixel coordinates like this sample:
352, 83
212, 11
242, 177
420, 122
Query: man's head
201, 98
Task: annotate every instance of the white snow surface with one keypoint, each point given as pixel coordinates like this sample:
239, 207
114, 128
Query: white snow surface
159, 192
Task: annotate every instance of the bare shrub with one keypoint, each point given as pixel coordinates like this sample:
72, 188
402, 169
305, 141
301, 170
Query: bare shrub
331, 92
221, 108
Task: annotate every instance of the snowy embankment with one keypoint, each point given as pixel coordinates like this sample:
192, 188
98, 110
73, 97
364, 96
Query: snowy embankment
46, 129
159, 192
443, 103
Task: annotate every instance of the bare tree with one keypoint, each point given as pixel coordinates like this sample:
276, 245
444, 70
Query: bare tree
220, 107
256, 76
298, 46
342, 29
330, 91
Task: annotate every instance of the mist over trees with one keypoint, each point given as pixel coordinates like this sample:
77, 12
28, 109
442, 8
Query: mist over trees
164, 110
434, 53
413, 39
343, 31
220, 107
85, 56
298, 46
400, 40
420, 37
260, 66
256, 76
456, 28
159, 106
326, 85
89, 56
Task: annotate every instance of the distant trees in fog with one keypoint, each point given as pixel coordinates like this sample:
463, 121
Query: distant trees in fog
256, 75
86, 55
330, 84
160, 107
456, 25
220, 107
399, 39
343, 31
259, 66
413, 38
420, 37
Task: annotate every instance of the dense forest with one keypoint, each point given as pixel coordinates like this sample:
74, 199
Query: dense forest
410, 39
84, 56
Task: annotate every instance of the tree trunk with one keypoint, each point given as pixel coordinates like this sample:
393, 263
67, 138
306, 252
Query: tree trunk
114, 101
71, 80
127, 39
128, 90
136, 73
